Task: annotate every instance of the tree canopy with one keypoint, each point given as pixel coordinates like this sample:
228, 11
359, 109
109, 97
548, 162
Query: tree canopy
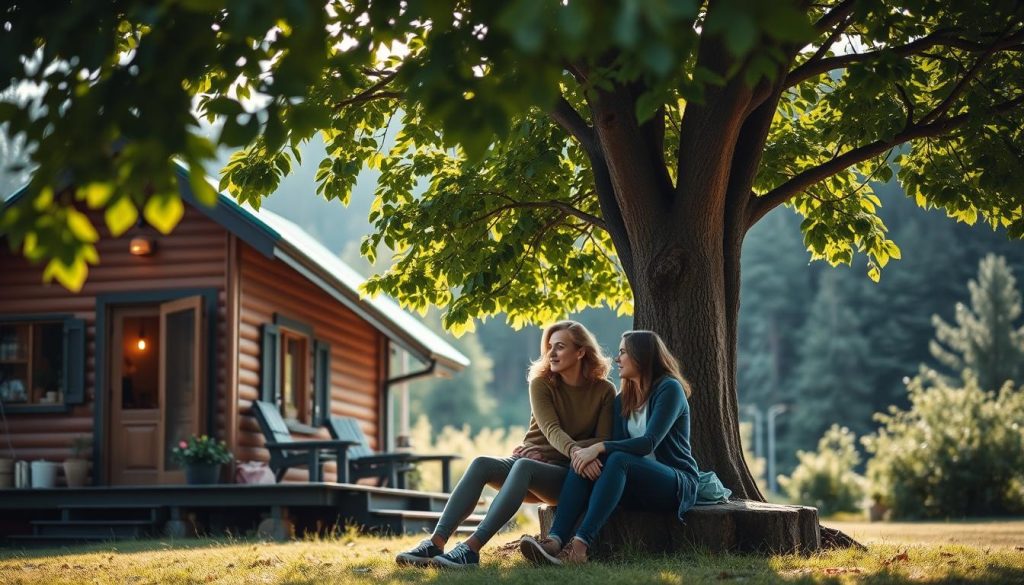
502, 175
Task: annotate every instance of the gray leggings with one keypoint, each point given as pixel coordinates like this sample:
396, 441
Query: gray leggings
514, 479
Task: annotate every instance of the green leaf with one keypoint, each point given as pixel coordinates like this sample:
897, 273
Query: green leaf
71, 275
164, 212
96, 194
120, 216
81, 227
201, 188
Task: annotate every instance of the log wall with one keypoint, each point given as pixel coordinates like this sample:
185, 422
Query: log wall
269, 286
193, 256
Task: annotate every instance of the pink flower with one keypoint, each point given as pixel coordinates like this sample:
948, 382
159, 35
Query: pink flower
183, 445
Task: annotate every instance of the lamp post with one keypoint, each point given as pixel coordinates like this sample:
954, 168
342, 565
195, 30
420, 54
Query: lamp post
758, 432
773, 411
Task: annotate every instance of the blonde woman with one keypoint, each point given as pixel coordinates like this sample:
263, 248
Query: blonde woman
571, 403
648, 464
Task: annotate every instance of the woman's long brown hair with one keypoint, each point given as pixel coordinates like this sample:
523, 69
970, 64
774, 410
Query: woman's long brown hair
594, 365
654, 361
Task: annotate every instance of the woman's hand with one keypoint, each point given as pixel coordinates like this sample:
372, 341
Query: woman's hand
592, 471
528, 452
583, 456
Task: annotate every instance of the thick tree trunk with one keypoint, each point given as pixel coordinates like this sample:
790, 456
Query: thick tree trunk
690, 297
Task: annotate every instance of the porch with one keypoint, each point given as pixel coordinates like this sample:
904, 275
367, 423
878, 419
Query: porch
45, 517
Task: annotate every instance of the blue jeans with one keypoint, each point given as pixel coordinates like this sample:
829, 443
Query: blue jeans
633, 481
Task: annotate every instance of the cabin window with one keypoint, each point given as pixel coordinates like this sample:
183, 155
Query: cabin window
41, 361
295, 398
295, 371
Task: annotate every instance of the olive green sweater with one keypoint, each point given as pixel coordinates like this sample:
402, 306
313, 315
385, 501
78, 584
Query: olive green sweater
565, 416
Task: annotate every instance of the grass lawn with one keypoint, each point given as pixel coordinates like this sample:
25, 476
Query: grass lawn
368, 560
985, 533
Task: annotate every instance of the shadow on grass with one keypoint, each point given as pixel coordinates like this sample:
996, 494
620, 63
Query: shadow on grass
700, 568
370, 561
127, 547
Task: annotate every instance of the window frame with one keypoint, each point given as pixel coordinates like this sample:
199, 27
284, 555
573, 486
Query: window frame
304, 387
73, 348
315, 372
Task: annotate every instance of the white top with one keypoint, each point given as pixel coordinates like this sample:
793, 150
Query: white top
636, 426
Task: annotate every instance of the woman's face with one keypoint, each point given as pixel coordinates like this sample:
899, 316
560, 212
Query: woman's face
628, 369
563, 354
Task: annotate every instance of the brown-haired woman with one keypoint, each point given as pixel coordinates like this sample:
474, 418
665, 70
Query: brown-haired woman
649, 465
571, 402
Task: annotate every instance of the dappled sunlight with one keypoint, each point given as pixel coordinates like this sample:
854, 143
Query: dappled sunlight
349, 558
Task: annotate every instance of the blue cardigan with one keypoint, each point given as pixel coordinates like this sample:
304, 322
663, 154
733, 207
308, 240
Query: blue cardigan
667, 436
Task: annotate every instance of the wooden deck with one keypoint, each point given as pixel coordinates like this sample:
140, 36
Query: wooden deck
54, 516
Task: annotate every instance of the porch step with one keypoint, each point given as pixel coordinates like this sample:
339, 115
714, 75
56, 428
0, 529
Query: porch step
94, 529
416, 522
110, 512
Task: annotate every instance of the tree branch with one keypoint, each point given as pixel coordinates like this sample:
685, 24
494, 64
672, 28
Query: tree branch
959, 88
615, 225
836, 16
832, 38
802, 181
572, 122
373, 92
942, 38
560, 205
908, 103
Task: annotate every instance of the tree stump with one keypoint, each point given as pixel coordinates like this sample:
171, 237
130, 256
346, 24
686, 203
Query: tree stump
737, 526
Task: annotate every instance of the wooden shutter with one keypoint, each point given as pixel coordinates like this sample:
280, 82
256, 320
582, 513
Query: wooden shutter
270, 363
74, 361
321, 382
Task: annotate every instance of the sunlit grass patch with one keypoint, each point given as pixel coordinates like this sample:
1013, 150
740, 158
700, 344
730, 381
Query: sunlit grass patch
367, 560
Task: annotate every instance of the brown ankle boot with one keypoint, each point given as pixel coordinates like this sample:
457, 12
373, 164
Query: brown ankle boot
574, 553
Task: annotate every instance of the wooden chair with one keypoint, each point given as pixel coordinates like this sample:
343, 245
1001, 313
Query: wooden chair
390, 467
286, 452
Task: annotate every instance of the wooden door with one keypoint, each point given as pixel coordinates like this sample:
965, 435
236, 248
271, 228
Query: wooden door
181, 379
157, 389
135, 422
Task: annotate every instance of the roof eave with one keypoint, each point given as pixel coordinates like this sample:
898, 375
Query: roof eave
330, 284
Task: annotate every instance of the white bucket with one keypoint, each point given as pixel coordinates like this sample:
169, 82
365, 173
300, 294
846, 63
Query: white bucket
44, 474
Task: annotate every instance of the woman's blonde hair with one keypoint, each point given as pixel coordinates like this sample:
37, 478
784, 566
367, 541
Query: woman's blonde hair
654, 361
594, 365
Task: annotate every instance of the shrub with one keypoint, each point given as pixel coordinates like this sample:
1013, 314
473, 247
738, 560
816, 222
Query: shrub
755, 464
955, 452
825, 479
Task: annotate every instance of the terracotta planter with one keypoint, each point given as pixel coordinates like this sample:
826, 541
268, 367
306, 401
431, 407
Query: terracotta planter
76, 472
202, 473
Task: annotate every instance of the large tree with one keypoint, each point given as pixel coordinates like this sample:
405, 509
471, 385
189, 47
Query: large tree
536, 157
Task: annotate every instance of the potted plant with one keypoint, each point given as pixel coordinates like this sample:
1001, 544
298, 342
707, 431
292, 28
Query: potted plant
76, 469
201, 456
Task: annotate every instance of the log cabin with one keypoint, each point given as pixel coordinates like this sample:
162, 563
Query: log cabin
174, 335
